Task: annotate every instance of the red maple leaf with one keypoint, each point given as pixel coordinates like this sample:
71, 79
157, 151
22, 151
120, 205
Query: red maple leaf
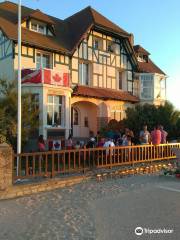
57, 78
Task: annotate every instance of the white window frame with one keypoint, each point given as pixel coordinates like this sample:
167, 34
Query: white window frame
47, 54
38, 26
62, 110
82, 81
150, 88
100, 43
115, 112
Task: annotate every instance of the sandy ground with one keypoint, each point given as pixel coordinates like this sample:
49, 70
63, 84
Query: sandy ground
110, 209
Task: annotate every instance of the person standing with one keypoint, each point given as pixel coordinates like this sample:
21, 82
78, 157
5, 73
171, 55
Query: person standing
41, 144
163, 134
156, 136
69, 143
144, 136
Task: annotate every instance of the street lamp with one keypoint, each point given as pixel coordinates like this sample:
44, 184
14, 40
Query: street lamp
19, 86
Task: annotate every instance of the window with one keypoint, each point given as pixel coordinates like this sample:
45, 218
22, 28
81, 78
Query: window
86, 123
117, 115
130, 81
120, 79
75, 117
110, 46
146, 86
42, 61
123, 61
97, 43
163, 88
36, 27
84, 73
55, 110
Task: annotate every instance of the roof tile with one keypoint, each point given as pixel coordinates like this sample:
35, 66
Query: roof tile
104, 93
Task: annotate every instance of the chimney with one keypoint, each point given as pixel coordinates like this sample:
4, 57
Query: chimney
131, 38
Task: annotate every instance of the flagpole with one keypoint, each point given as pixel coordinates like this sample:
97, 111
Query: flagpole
19, 86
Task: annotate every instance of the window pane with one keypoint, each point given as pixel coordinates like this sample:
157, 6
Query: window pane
80, 73
129, 86
85, 50
123, 61
34, 26
96, 45
129, 75
46, 61
49, 115
75, 117
117, 48
41, 29
86, 124
50, 99
57, 115
38, 61
120, 80
85, 74
129, 66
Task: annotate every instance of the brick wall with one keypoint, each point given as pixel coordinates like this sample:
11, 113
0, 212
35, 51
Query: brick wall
6, 156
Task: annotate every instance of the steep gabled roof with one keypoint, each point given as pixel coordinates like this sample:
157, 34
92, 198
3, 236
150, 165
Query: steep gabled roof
38, 15
140, 49
82, 21
68, 32
149, 67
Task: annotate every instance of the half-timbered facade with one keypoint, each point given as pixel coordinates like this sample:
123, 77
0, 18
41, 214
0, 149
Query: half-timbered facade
81, 70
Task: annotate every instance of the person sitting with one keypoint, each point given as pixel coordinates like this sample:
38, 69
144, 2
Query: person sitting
101, 142
77, 145
91, 143
109, 143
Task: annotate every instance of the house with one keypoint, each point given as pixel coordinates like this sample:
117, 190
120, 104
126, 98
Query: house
152, 79
80, 70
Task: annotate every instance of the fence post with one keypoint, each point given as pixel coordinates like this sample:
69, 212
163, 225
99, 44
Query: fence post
6, 166
52, 170
132, 155
111, 152
84, 159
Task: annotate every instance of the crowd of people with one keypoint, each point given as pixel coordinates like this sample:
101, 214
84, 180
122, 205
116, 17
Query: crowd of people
118, 138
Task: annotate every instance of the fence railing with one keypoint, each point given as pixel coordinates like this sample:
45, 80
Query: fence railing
52, 163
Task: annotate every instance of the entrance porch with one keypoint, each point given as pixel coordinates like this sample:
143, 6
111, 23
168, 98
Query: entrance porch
84, 119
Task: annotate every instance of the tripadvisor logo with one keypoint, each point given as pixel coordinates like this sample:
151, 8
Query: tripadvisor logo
139, 231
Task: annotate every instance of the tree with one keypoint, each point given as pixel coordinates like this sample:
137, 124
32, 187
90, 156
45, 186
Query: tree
151, 115
8, 113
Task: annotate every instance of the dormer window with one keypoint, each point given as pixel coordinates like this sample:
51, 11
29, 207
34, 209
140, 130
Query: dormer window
142, 58
37, 27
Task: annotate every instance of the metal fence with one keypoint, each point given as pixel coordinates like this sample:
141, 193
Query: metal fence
52, 163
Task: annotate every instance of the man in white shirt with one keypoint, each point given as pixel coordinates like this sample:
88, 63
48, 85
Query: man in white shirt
144, 136
109, 143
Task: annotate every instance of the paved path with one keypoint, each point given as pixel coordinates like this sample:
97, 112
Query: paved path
111, 209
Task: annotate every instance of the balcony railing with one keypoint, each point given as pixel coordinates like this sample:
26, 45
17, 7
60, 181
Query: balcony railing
45, 76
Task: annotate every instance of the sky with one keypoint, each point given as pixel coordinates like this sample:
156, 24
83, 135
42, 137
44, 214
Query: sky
154, 23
